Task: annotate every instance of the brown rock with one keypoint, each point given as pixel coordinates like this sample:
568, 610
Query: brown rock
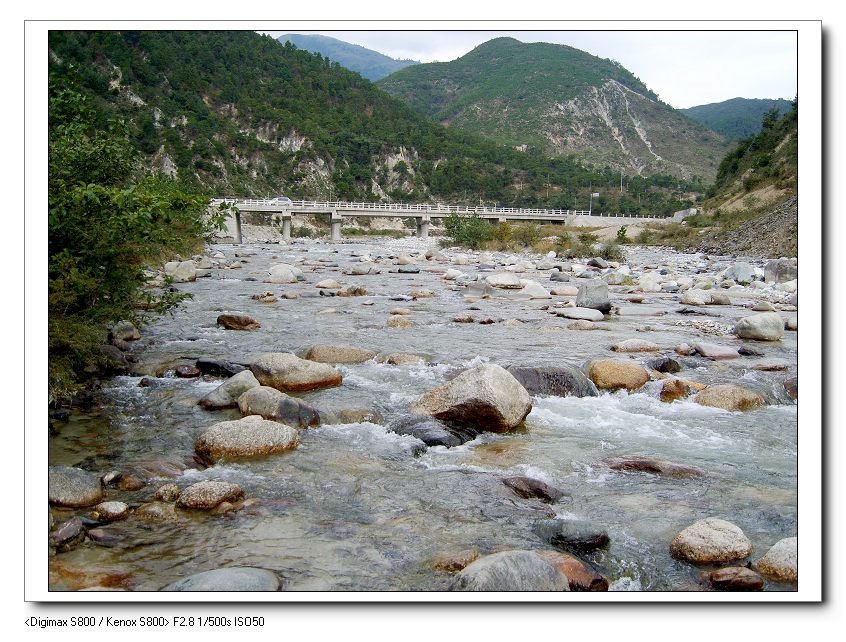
248, 437
338, 354
652, 465
711, 540
206, 495
529, 488
729, 396
399, 322
404, 358
455, 562
674, 389
156, 512
734, 578
285, 371
238, 322
167, 493
187, 372
614, 374
131, 483
64, 576
580, 576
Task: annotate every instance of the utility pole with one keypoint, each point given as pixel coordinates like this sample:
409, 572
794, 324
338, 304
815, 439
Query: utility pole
621, 181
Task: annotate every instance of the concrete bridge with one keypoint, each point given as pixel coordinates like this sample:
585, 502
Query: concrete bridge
423, 213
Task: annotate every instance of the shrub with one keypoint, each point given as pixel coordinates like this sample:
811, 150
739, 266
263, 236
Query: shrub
469, 231
621, 235
527, 234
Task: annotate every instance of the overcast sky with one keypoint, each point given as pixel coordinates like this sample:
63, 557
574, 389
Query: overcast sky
685, 68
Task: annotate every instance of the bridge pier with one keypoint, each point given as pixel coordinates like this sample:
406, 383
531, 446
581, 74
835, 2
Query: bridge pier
423, 226
286, 226
238, 237
335, 222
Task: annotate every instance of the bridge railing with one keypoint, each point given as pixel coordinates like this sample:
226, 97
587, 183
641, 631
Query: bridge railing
412, 208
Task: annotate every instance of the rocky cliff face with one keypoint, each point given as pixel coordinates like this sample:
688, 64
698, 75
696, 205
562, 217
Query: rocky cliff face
615, 125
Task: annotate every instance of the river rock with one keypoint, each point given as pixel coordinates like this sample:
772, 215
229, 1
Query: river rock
711, 540
614, 374
587, 314
529, 488
226, 394
269, 403
218, 367
156, 512
673, 389
187, 372
534, 290
181, 271
664, 364
125, 331
238, 322
454, 562
583, 324
635, 345
67, 535
328, 284
110, 511
571, 534
650, 282
487, 397
696, 297
561, 381
236, 578
767, 326
404, 359
653, 466
167, 493
431, 431
741, 273
781, 561
248, 437
580, 576
510, 571
734, 578
594, 295
714, 351
206, 495
504, 280
780, 271
359, 416
565, 290
729, 396
399, 322
73, 487
282, 273
718, 298
286, 371
338, 354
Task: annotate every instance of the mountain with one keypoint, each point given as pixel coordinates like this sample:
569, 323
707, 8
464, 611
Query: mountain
238, 113
370, 64
560, 101
738, 117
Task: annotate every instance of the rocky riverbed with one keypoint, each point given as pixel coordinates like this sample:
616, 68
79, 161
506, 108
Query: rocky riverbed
386, 415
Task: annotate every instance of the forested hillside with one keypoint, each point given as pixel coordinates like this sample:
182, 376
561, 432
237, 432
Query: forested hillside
558, 100
370, 64
738, 117
239, 113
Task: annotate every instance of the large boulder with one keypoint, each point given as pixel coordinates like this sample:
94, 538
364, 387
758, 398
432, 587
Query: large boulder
269, 403
593, 294
238, 322
181, 271
338, 354
560, 381
534, 290
206, 495
781, 561
125, 331
767, 326
486, 397
511, 571
587, 314
228, 579
615, 374
695, 296
286, 371
714, 351
734, 578
248, 437
741, 273
780, 271
226, 394
283, 273
73, 487
710, 541
729, 396
654, 466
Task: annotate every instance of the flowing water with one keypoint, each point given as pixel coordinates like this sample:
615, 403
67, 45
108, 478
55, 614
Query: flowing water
356, 507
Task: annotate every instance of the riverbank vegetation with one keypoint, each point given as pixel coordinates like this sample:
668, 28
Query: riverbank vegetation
106, 221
